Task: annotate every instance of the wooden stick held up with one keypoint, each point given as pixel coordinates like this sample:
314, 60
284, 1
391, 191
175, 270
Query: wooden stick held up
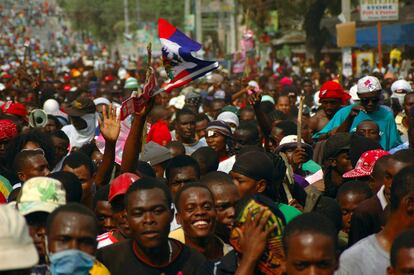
300, 114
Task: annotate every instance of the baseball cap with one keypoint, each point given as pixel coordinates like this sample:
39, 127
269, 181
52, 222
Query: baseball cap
155, 154
14, 108
365, 164
81, 106
120, 185
17, 250
291, 141
368, 84
41, 194
335, 144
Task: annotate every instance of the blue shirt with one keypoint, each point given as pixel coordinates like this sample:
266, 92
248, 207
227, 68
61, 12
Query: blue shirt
384, 117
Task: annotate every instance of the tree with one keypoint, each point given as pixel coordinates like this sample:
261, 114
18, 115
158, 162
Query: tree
308, 12
104, 19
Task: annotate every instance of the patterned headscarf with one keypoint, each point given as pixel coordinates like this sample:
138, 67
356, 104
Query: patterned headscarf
273, 257
8, 129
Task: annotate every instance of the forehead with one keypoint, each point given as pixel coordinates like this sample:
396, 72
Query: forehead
409, 98
394, 166
69, 223
59, 140
405, 257
81, 172
351, 196
195, 194
224, 191
283, 99
186, 171
311, 245
241, 134
202, 123
367, 124
146, 198
186, 118
217, 104
36, 160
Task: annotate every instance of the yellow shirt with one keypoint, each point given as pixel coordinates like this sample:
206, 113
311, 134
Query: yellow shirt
99, 269
395, 54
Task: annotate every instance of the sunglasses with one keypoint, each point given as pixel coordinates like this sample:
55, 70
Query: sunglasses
368, 99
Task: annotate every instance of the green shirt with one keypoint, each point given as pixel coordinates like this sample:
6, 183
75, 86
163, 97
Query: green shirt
289, 212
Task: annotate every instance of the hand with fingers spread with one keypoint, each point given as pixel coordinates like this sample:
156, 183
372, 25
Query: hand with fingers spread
253, 239
111, 124
255, 99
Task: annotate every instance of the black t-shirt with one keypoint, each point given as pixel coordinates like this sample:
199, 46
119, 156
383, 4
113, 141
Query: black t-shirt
120, 259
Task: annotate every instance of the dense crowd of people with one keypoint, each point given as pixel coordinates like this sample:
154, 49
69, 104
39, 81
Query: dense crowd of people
290, 170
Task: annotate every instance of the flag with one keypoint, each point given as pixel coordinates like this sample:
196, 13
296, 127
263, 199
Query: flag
181, 66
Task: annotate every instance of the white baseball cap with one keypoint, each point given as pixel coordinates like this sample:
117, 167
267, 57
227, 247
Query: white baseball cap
368, 84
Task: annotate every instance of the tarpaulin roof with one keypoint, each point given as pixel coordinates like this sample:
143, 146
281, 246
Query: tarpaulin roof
398, 34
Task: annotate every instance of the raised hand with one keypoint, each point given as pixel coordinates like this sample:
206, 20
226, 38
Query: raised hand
253, 239
255, 99
111, 124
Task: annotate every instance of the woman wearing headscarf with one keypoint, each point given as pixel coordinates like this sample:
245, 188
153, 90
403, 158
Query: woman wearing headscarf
219, 138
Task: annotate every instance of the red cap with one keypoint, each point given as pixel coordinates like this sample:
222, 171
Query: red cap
120, 185
332, 89
16, 109
365, 164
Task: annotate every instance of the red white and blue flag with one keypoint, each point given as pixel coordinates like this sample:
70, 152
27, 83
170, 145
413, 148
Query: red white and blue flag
180, 65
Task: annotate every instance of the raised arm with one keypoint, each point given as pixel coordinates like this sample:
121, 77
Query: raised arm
262, 118
110, 127
133, 142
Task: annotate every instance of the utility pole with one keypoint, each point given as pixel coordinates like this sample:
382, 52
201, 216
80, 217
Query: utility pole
233, 32
138, 12
186, 15
126, 17
346, 51
199, 28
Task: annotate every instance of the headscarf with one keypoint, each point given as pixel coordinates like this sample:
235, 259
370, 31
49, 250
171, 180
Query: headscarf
8, 129
229, 117
78, 138
273, 257
399, 89
255, 165
332, 89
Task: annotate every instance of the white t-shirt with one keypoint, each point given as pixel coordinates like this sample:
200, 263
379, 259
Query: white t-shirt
366, 257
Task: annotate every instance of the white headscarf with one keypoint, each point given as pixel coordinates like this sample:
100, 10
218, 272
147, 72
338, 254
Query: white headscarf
229, 117
78, 138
